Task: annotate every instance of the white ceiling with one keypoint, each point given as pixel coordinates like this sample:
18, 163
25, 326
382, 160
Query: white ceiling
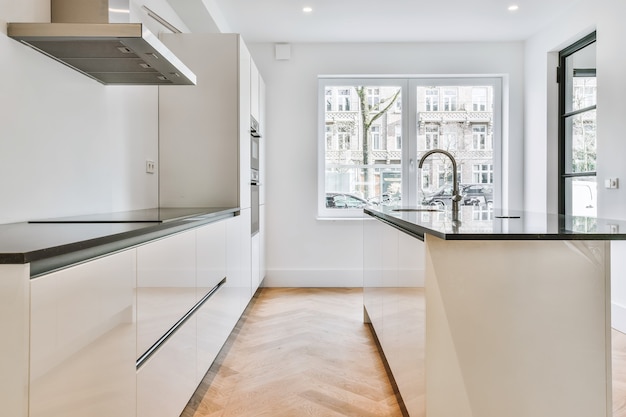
388, 20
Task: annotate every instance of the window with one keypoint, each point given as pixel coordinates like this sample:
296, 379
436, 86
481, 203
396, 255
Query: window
398, 135
470, 137
482, 173
329, 99
577, 128
343, 138
449, 99
479, 99
375, 134
432, 99
373, 97
432, 136
368, 155
479, 137
343, 102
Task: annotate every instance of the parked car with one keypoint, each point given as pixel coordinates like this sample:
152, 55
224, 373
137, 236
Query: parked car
386, 200
477, 194
343, 200
441, 197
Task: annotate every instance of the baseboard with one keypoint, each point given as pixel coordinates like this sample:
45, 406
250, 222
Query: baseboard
341, 278
344, 278
618, 317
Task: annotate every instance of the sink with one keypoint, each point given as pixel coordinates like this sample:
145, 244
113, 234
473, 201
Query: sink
417, 209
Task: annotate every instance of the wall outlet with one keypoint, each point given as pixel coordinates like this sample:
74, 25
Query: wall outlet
150, 167
611, 183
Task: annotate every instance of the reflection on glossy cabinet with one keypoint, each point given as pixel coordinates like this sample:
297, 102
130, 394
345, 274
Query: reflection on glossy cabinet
83, 340
263, 237
168, 379
238, 251
210, 257
166, 285
394, 303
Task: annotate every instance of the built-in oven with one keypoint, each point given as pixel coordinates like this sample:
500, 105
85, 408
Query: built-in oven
254, 174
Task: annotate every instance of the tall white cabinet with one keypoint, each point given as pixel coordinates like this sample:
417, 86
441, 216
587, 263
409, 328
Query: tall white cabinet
204, 137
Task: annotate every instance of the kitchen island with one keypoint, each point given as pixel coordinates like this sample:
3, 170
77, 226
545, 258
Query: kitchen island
514, 314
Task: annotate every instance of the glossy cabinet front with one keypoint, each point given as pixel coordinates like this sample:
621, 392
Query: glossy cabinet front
166, 285
393, 297
182, 270
83, 340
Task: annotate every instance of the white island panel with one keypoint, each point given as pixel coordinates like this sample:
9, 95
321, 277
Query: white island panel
517, 328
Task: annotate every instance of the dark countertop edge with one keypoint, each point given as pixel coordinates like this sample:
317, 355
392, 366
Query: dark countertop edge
418, 231
49, 259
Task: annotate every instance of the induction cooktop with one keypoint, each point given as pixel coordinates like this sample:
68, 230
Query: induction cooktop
153, 215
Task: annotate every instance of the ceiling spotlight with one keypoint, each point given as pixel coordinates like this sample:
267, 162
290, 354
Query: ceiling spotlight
513, 8
307, 9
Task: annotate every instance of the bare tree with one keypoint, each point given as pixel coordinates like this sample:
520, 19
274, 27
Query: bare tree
370, 112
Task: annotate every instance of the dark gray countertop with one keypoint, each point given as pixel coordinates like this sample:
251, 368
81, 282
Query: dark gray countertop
486, 224
58, 242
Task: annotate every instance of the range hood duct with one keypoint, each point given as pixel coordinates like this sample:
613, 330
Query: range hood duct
89, 36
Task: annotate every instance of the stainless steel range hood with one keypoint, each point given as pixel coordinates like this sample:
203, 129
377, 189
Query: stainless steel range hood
84, 36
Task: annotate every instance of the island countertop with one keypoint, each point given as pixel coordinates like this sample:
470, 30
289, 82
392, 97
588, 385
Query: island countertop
477, 223
50, 243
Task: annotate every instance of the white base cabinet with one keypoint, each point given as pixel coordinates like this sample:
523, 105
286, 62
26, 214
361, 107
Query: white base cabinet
14, 327
83, 340
168, 377
393, 297
131, 333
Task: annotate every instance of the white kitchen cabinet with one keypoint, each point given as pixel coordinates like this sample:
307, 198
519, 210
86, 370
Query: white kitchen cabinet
167, 380
204, 130
14, 344
262, 141
181, 269
262, 239
201, 126
239, 258
255, 108
83, 340
210, 257
166, 285
246, 259
393, 297
218, 315
245, 61
255, 262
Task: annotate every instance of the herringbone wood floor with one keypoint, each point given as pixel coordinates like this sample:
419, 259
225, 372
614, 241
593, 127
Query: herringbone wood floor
298, 352
305, 352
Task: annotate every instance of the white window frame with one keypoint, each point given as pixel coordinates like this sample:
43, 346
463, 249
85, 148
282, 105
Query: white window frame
480, 139
409, 170
432, 137
398, 137
480, 171
479, 99
377, 138
432, 100
450, 98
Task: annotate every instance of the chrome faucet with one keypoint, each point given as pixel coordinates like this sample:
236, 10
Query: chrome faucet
456, 195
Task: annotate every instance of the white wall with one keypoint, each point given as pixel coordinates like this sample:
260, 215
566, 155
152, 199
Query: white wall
69, 145
303, 251
541, 112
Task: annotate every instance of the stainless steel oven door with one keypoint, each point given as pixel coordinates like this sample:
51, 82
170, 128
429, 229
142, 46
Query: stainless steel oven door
254, 152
